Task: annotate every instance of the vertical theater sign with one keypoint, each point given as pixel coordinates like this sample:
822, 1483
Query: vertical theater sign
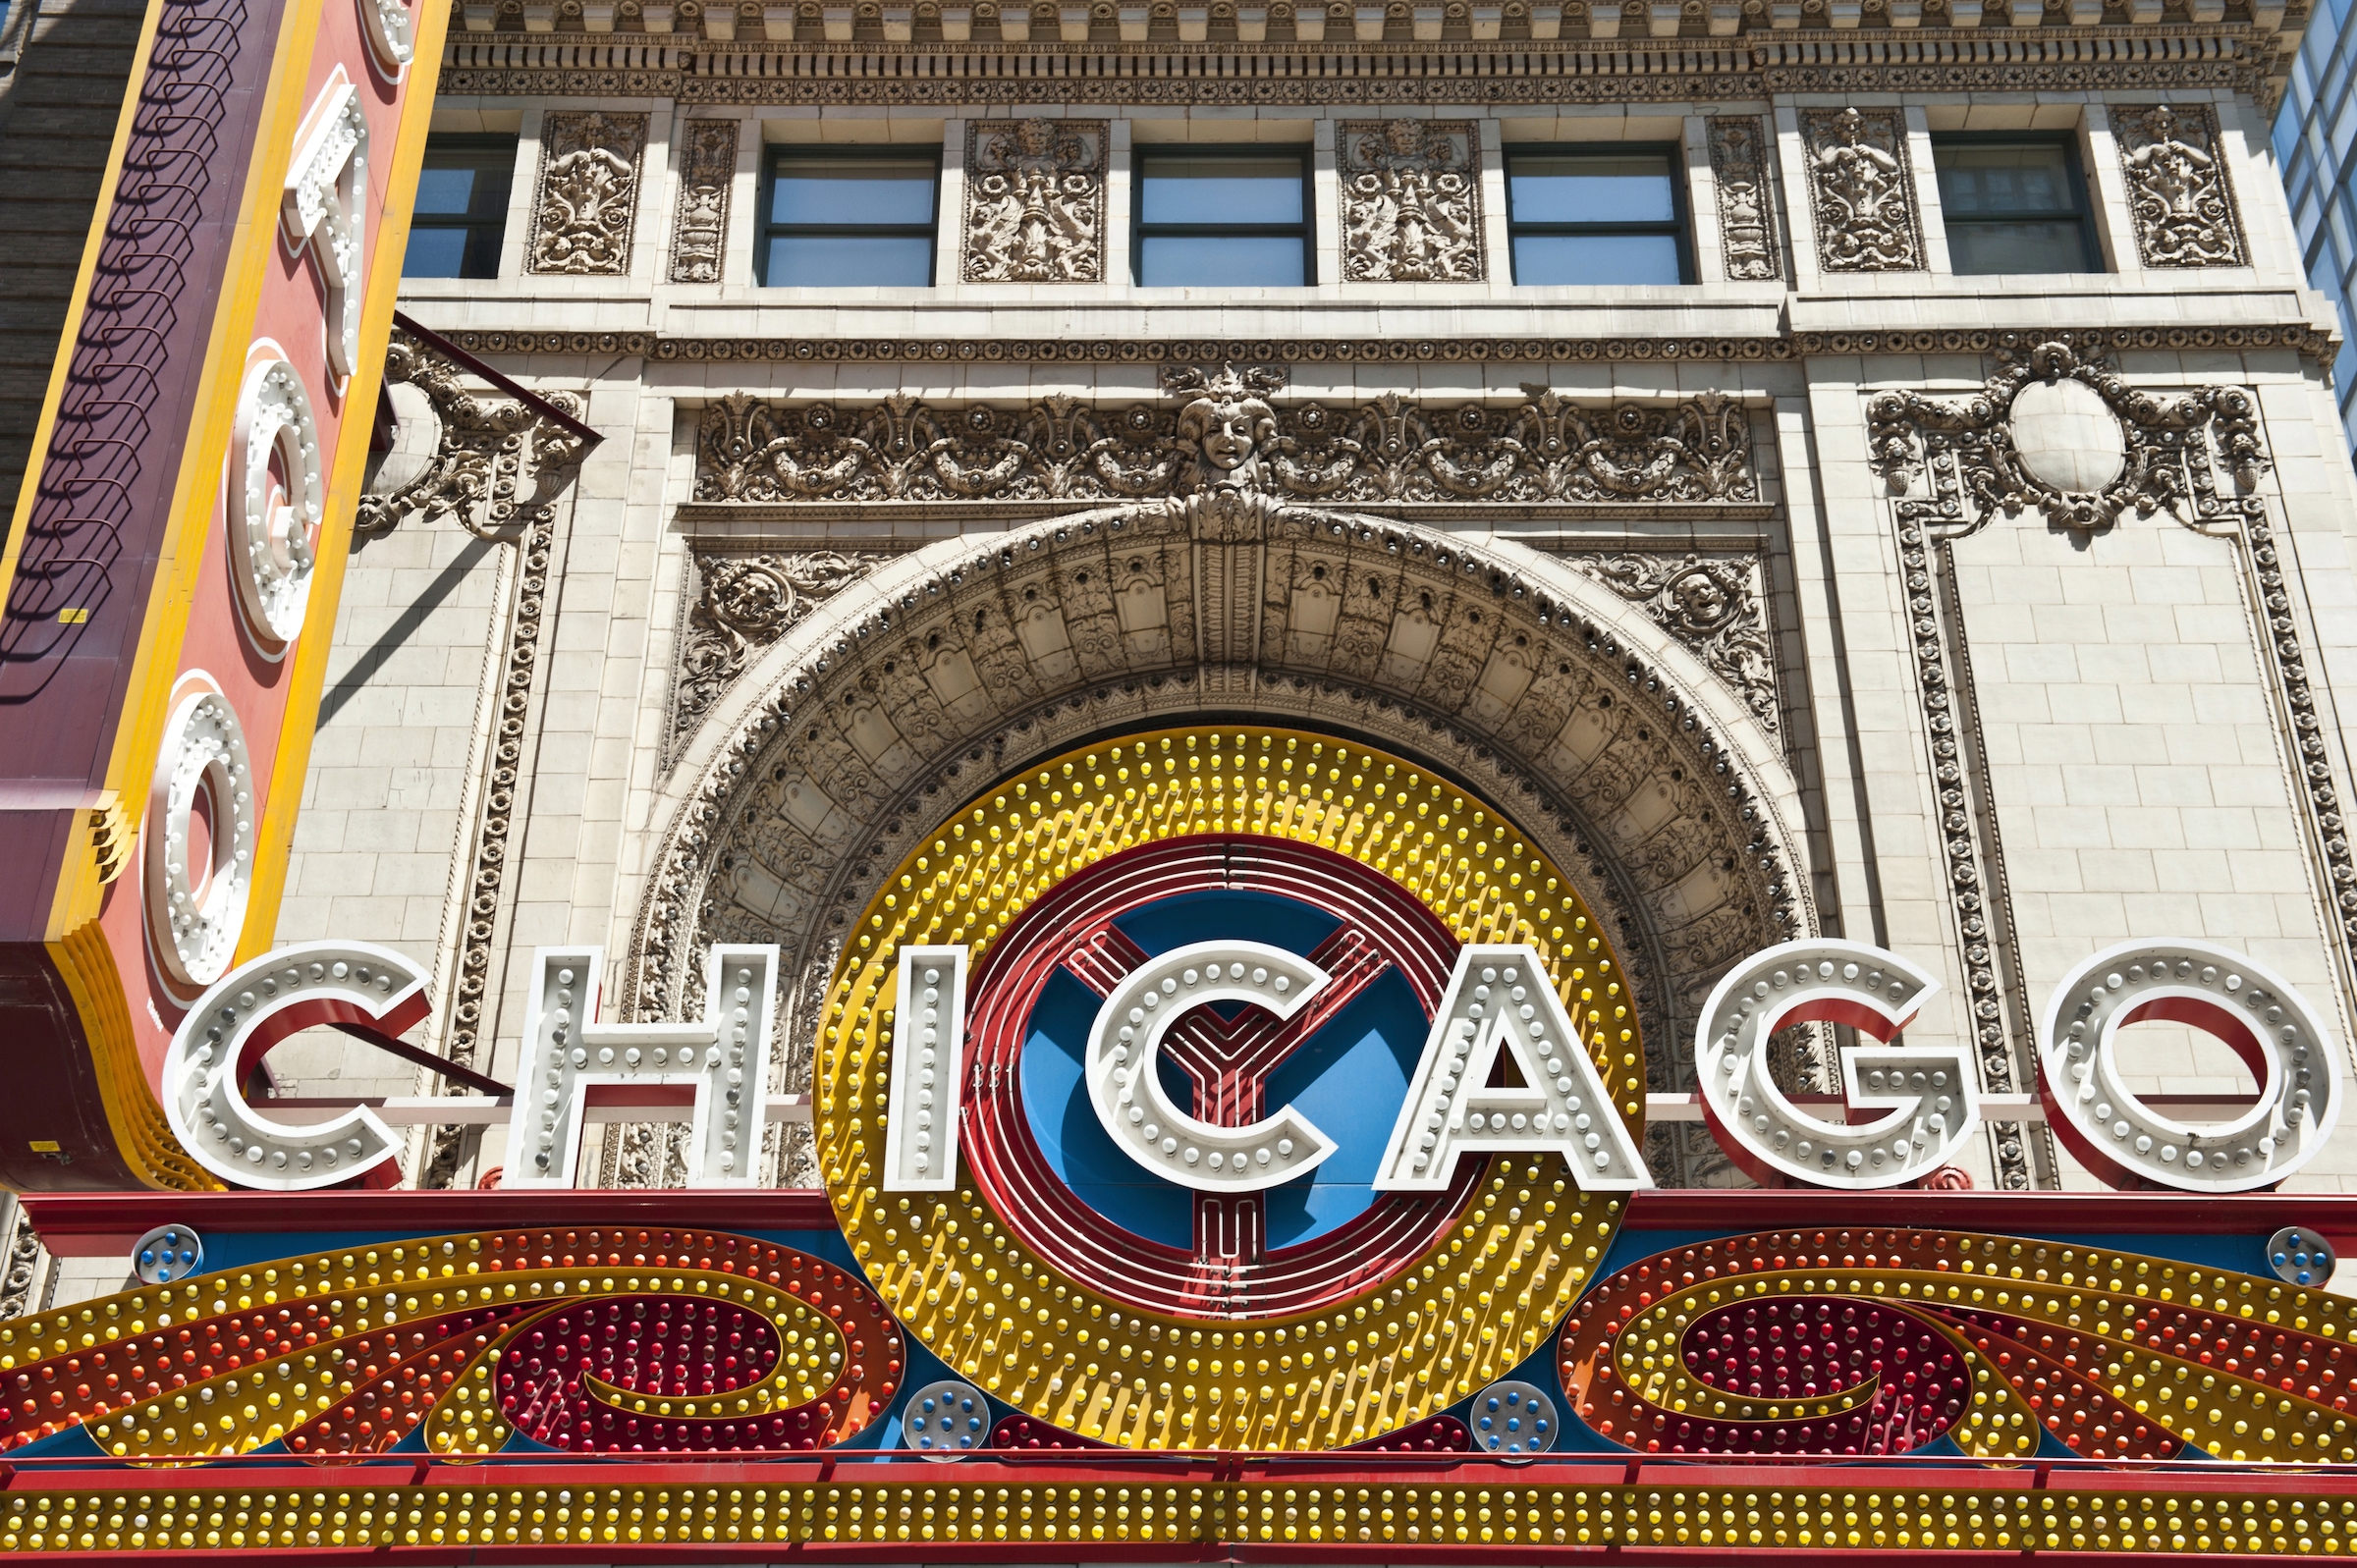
171, 572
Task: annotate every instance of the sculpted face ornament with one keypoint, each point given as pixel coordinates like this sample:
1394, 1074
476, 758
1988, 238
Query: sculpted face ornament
1224, 431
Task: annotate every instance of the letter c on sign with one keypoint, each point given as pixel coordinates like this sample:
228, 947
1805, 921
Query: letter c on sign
1932, 1093
2269, 1025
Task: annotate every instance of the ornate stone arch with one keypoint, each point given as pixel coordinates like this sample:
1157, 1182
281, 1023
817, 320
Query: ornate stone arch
1650, 782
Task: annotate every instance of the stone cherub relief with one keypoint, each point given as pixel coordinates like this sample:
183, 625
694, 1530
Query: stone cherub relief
1411, 204
2177, 188
1036, 201
588, 194
1861, 193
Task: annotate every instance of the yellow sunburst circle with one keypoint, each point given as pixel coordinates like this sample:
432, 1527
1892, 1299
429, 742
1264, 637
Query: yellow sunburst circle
1464, 1312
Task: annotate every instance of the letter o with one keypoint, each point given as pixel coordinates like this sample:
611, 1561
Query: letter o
2254, 1011
270, 533
200, 836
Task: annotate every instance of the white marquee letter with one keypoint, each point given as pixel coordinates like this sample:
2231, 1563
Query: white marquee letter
1931, 1091
1128, 1095
325, 205
269, 533
1499, 996
254, 1007
928, 1053
2269, 1025
720, 1064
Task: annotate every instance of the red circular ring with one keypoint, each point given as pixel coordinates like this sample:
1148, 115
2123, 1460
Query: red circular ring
1011, 1174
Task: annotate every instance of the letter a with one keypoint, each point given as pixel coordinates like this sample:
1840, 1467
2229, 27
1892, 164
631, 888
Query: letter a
1501, 996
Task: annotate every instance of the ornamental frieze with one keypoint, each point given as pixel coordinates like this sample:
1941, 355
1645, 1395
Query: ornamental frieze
2298, 338
1390, 448
1339, 72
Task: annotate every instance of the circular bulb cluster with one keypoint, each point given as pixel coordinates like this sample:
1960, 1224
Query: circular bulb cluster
1512, 1418
2302, 1256
946, 1419
167, 1253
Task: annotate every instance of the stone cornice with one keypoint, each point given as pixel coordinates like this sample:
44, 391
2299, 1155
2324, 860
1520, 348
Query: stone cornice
2307, 340
1752, 67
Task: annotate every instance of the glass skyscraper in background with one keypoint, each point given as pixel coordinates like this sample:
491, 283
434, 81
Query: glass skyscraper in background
2316, 146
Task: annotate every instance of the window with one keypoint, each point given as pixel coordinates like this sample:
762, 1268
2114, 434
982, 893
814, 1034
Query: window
2015, 204
1224, 216
845, 217
1597, 214
461, 212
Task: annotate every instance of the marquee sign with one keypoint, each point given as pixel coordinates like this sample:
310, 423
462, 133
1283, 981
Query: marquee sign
1257, 1103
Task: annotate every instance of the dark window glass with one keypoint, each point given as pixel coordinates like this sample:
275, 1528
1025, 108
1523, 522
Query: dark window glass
2014, 205
462, 211
1597, 215
1224, 216
844, 219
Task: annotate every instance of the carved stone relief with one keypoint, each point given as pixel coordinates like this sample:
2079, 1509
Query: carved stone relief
484, 463
1862, 191
742, 604
1740, 144
1411, 200
1544, 449
2179, 193
587, 198
699, 229
1714, 606
862, 727
2068, 436
1035, 200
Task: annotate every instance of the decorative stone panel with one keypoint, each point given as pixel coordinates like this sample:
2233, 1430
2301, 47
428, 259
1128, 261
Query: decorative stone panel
1713, 604
1862, 191
587, 196
2181, 197
2065, 435
1035, 200
1747, 239
743, 603
699, 225
1411, 200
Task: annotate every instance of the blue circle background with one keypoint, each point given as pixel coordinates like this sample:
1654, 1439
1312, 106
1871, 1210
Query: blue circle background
1349, 1078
